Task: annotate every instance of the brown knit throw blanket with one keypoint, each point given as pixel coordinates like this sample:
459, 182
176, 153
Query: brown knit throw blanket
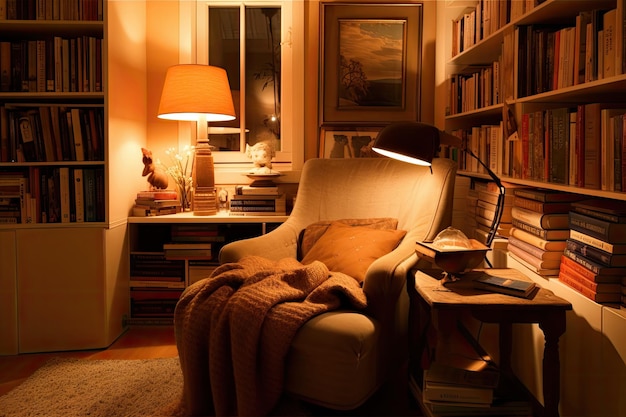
234, 329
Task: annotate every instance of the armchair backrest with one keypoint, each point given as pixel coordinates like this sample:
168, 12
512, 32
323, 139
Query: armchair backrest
332, 189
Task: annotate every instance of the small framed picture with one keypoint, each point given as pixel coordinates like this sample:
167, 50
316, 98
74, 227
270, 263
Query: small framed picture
348, 142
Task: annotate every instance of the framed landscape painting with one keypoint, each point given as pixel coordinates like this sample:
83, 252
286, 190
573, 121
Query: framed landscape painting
370, 62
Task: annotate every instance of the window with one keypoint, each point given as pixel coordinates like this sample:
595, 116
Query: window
254, 41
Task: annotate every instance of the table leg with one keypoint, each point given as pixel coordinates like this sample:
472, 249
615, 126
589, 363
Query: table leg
553, 326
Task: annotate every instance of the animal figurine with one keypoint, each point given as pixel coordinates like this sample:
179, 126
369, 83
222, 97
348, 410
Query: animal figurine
261, 154
157, 177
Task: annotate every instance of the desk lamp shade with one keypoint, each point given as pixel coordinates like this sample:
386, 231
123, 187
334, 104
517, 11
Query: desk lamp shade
418, 143
198, 93
415, 143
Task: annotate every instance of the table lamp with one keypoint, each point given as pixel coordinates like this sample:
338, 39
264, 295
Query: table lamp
199, 93
418, 143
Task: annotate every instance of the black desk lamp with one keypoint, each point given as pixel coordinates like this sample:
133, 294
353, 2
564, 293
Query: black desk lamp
418, 143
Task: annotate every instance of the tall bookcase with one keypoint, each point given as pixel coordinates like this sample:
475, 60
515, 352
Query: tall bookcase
63, 279
593, 349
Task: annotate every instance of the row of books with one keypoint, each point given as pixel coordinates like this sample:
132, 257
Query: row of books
552, 57
584, 146
54, 64
50, 133
479, 87
51, 10
53, 195
488, 16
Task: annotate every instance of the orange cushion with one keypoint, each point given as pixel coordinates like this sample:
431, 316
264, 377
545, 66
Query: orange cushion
352, 249
314, 231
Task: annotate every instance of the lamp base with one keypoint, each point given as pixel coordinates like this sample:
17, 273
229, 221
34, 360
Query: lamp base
204, 201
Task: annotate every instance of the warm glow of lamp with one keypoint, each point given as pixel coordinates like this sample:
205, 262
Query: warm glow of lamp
418, 143
198, 93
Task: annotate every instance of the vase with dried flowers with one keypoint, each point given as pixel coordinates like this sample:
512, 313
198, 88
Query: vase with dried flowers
180, 169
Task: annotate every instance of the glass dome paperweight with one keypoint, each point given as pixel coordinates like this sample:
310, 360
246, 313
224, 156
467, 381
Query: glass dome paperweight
453, 252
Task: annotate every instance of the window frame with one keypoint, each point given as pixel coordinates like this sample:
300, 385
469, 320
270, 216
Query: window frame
290, 157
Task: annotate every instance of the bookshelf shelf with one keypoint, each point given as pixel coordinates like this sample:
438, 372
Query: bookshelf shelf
148, 235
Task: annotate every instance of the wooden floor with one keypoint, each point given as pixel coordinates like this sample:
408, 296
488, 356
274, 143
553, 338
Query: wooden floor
158, 342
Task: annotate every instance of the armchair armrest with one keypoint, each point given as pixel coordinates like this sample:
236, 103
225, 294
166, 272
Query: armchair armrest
278, 244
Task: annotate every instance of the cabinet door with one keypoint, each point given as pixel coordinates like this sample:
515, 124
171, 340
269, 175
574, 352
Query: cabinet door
61, 289
8, 294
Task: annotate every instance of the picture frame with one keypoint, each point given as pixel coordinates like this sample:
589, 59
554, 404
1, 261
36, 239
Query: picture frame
377, 84
348, 141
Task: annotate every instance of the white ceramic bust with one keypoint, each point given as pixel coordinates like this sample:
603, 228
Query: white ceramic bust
261, 154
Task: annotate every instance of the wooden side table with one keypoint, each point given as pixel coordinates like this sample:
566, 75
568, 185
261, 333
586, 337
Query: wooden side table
438, 305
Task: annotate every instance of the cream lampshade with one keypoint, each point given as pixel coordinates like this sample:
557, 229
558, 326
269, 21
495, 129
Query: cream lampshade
200, 93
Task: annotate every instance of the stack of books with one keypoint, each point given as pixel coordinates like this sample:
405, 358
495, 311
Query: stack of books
594, 260
13, 207
156, 203
463, 382
486, 208
258, 201
156, 284
540, 228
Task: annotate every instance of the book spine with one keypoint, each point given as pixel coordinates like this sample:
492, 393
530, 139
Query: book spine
533, 250
598, 214
544, 221
452, 393
591, 240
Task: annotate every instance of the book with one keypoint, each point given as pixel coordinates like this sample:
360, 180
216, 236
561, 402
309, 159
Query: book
546, 234
595, 254
154, 203
598, 228
540, 206
249, 190
546, 196
601, 208
537, 263
544, 221
79, 195
508, 286
145, 211
434, 391
548, 245
591, 269
158, 194
598, 243
186, 246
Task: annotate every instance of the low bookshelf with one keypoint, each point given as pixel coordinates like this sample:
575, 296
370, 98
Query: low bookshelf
170, 252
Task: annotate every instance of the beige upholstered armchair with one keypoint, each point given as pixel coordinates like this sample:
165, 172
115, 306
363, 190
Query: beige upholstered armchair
340, 358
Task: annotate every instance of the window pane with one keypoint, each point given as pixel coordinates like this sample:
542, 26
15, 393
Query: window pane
224, 47
257, 98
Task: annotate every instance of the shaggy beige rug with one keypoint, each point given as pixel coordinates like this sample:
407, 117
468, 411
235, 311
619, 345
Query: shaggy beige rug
79, 387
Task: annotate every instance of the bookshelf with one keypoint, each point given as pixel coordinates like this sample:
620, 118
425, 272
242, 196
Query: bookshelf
594, 331
153, 302
63, 276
